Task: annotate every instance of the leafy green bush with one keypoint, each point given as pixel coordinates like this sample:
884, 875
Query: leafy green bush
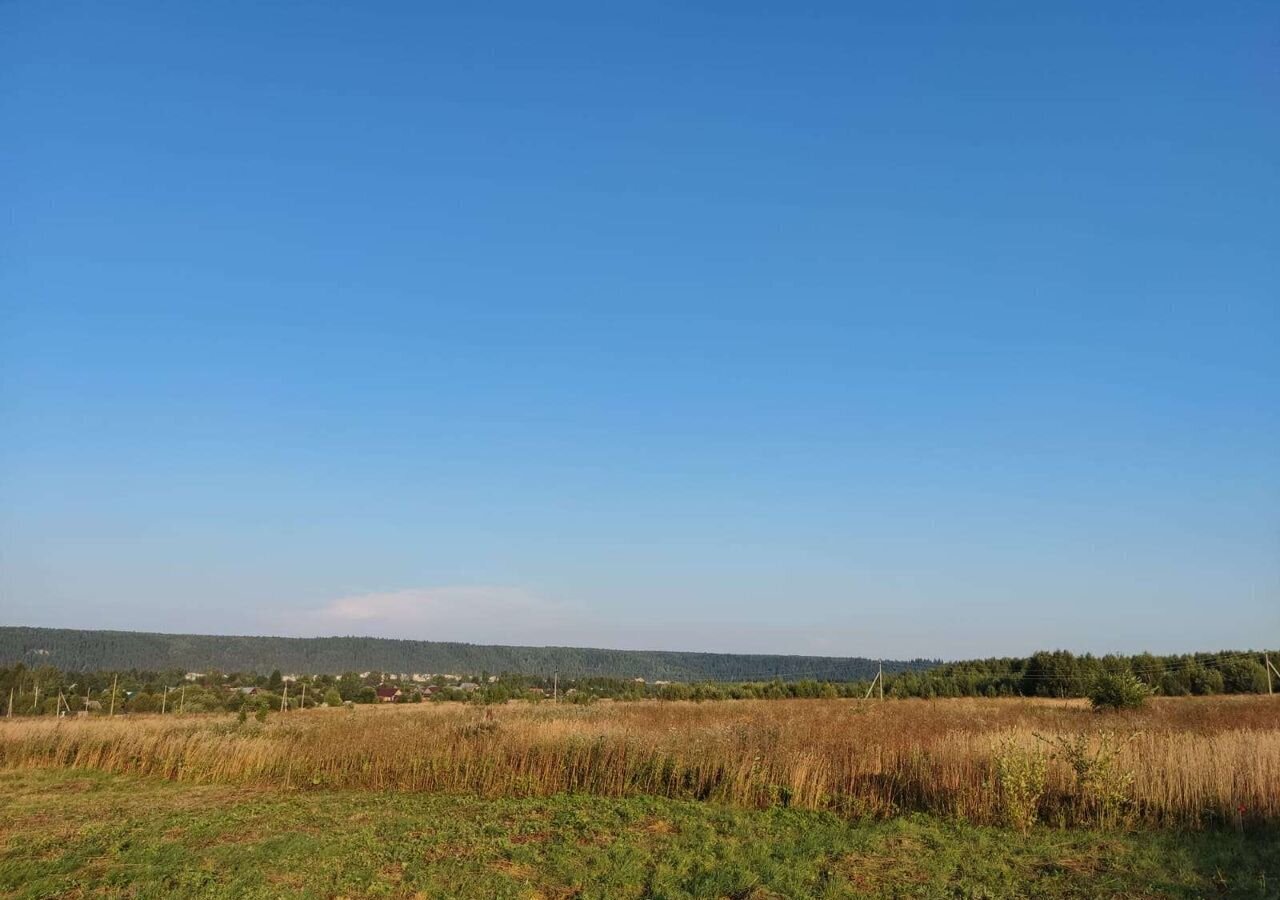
1103, 789
144, 703
1118, 691
1021, 775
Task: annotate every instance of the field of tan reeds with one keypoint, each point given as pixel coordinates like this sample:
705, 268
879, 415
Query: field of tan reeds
1180, 762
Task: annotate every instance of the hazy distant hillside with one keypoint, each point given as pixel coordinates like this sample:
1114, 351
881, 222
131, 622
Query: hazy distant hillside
73, 649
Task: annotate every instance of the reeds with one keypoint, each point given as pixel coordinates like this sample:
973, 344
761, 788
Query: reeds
1184, 762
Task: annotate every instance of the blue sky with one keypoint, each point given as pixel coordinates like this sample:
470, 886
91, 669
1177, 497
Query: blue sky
915, 330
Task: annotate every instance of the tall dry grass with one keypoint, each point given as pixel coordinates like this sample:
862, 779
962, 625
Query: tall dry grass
1184, 762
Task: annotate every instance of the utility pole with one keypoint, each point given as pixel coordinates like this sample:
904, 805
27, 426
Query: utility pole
877, 681
182, 700
164, 699
35, 707
9, 714
114, 681
303, 703
555, 688
284, 700
1270, 669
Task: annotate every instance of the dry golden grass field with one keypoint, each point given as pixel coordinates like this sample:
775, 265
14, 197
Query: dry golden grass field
1180, 762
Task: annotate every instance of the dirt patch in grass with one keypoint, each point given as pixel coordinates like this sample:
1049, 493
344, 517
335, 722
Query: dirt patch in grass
895, 862
252, 836
599, 839
450, 852
292, 880
658, 826
536, 837
513, 869
393, 873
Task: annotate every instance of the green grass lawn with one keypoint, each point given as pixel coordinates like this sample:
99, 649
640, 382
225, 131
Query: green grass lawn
72, 834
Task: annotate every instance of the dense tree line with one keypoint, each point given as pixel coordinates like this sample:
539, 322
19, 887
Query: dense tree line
1063, 674
47, 690
78, 650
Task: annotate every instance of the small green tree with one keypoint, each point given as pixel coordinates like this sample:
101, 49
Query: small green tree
1172, 685
1243, 676
1104, 790
143, 703
350, 685
332, 697
1205, 682
1117, 690
1020, 774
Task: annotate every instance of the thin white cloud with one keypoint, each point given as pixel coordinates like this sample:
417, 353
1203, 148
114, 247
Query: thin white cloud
472, 613
505, 614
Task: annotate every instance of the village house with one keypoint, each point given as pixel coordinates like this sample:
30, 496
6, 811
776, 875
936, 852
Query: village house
388, 693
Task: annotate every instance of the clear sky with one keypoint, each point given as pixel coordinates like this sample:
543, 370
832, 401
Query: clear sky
922, 329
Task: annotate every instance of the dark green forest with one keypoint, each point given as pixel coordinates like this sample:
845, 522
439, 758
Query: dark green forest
88, 651
605, 673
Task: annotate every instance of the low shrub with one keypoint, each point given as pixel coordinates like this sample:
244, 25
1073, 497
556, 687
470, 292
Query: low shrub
1020, 781
1115, 691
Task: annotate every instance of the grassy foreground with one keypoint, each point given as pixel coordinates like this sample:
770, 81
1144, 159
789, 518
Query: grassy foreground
80, 834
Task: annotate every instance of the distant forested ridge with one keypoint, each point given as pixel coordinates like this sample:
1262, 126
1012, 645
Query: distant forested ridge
81, 650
